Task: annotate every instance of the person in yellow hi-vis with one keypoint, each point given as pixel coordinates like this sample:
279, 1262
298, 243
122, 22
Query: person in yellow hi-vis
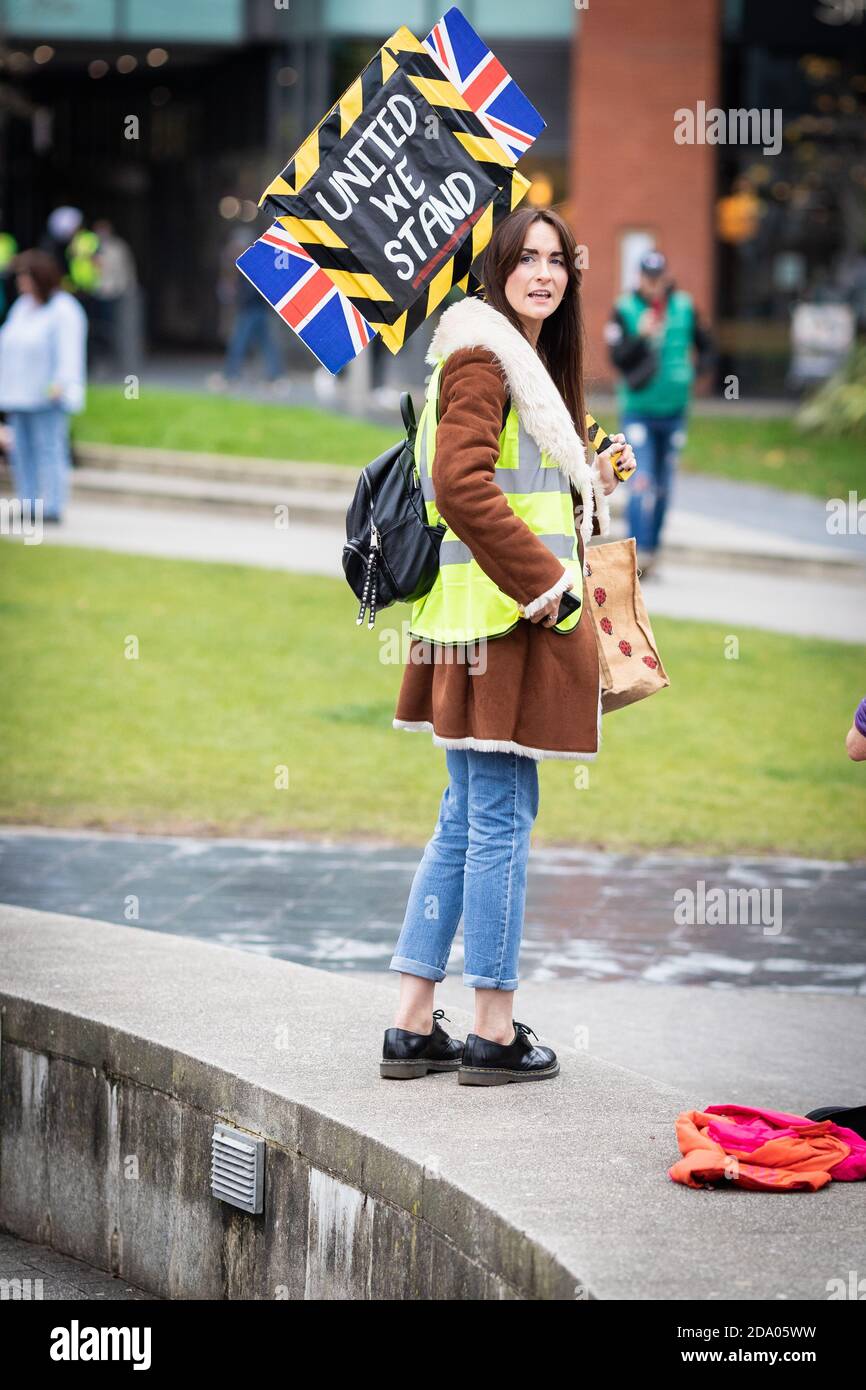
8, 249
497, 675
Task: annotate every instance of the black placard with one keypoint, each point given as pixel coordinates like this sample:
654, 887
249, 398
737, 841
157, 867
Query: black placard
400, 190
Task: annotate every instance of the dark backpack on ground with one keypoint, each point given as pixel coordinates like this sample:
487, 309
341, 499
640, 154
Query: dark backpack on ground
391, 553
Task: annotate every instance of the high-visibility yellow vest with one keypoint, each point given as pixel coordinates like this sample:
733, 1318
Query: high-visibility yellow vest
83, 269
464, 604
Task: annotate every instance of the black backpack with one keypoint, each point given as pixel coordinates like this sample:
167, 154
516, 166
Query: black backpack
391, 553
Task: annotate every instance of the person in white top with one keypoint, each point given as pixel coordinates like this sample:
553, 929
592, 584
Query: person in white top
43, 369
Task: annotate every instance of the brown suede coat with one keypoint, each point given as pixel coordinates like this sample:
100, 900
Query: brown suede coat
539, 690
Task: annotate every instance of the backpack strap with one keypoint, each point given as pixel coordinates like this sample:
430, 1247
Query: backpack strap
407, 410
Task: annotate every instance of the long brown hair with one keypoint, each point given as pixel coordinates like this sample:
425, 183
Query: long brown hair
561, 340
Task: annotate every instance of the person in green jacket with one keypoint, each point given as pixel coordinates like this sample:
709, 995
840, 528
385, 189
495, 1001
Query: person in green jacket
654, 335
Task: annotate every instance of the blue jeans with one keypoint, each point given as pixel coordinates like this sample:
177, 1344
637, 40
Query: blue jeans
252, 326
474, 864
39, 458
656, 441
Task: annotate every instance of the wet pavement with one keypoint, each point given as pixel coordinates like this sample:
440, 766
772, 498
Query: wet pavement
787, 924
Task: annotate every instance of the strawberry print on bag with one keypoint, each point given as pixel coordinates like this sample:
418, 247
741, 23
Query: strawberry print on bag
606, 626
599, 595
625, 647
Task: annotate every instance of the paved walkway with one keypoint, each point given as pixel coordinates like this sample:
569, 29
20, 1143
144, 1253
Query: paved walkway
590, 917
35, 1272
757, 581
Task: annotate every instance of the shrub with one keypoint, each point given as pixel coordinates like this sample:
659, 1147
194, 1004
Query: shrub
839, 406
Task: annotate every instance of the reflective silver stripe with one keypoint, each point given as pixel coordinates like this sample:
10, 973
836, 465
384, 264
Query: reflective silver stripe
530, 474
457, 553
421, 459
530, 477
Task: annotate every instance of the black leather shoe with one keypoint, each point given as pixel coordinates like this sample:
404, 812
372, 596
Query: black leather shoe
487, 1063
406, 1054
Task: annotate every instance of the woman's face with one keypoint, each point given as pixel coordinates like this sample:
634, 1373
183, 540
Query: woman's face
535, 287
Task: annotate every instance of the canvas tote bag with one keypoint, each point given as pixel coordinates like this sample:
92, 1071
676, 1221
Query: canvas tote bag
630, 667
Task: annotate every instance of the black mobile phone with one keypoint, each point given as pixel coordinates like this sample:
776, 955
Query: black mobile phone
569, 603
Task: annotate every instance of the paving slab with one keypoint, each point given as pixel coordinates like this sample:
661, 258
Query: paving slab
44, 1274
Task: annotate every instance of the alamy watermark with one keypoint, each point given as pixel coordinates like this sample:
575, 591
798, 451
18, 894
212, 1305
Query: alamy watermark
21, 1289
21, 517
846, 518
401, 648
738, 126
700, 906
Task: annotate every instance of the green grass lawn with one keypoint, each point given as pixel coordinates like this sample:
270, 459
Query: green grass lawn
222, 425
776, 453
748, 450
243, 671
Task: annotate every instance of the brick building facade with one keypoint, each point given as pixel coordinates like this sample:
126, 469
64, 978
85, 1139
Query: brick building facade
634, 66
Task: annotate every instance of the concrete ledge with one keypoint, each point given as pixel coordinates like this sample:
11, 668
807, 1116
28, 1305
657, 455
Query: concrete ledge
145, 477
122, 1047
231, 467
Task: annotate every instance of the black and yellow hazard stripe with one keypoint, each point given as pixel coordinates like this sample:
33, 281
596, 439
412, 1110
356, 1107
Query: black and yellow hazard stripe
600, 441
456, 114
457, 270
344, 267
393, 321
340, 119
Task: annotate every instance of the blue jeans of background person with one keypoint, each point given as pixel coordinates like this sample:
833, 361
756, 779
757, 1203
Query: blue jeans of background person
40, 457
474, 864
656, 441
252, 327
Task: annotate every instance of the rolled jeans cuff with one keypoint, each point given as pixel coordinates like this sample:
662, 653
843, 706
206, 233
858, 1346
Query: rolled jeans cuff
416, 967
486, 982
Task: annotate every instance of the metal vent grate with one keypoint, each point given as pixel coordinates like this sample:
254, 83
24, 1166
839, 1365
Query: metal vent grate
237, 1165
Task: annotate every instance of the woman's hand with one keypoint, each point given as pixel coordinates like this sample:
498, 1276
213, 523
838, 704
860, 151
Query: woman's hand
549, 613
626, 462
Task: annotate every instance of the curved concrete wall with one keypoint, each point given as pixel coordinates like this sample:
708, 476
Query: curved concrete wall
120, 1050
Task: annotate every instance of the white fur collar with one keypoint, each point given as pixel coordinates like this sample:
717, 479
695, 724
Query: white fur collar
543, 413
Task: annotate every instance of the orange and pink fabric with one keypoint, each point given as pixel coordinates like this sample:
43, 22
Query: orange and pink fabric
764, 1150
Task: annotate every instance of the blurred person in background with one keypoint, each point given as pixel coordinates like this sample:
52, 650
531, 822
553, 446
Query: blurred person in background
117, 278
251, 325
43, 354
8, 249
60, 228
855, 742
653, 335
74, 248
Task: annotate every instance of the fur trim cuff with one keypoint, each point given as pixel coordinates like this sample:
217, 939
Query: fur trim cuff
559, 587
